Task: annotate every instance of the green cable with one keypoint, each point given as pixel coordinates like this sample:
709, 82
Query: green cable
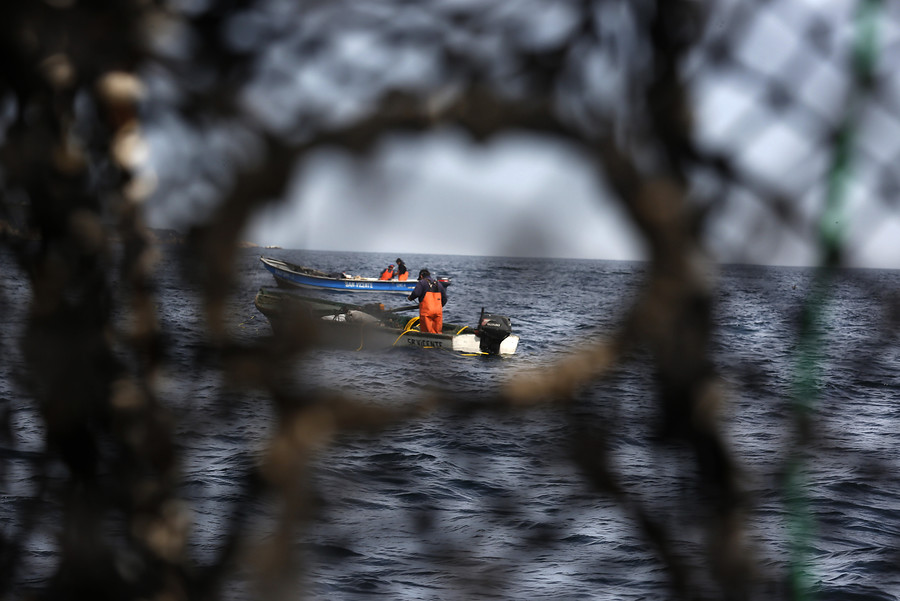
832, 229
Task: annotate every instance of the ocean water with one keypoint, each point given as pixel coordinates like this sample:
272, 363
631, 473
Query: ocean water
464, 504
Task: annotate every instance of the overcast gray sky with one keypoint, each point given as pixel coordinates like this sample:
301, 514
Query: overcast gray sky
443, 194
521, 195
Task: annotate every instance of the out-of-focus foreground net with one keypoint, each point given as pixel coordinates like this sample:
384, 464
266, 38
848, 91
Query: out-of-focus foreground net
669, 101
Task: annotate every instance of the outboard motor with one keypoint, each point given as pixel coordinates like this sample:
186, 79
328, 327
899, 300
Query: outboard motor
492, 329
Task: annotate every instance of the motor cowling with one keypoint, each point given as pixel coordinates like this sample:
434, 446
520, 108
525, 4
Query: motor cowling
492, 330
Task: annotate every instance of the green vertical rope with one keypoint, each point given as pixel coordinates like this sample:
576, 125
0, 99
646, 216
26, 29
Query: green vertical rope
832, 228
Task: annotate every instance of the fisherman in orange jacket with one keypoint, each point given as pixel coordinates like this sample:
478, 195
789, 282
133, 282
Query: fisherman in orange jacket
432, 297
388, 273
402, 271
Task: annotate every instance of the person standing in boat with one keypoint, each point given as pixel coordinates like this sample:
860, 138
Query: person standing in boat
402, 271
432, 297
388, 273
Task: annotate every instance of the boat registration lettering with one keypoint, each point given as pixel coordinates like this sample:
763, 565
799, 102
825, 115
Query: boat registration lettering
357, 285
418, 342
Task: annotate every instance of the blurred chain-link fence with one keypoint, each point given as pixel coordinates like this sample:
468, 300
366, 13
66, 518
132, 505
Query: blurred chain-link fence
732, 131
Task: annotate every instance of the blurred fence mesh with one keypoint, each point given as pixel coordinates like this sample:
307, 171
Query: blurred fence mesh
727, 131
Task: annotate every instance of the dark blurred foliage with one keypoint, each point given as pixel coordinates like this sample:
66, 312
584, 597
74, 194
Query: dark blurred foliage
256, 86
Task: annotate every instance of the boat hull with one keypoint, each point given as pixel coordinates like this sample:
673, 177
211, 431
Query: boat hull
351, 327
288, 275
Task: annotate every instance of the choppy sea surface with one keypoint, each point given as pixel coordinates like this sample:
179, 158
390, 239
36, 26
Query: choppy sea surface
490, 504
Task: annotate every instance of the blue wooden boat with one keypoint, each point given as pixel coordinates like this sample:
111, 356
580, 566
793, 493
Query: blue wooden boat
288, 275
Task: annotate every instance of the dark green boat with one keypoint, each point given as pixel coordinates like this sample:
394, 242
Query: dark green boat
371, 326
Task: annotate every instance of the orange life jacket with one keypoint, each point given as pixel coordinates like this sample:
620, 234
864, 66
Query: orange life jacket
386, 274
